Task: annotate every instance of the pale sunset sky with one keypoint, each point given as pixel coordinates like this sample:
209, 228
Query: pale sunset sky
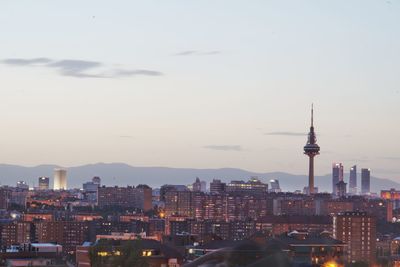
201, 84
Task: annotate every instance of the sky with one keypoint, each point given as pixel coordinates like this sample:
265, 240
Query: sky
201, 84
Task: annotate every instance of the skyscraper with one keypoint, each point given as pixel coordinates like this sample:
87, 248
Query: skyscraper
44, 183
60, 179
353, 180
365, 181
337, 176
274, 185
311, 149
341, 189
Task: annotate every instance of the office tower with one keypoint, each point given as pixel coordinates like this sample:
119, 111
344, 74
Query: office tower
393, 196
22, 185
90, 187
353, 180
358, 230
44, 183
60, 179
337, 176
341, 189
274, 186
311, 149
217, 187
365, 181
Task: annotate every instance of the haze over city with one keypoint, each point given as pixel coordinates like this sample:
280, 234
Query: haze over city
183, 84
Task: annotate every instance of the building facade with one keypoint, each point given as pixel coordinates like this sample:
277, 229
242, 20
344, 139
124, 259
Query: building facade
365, 181
337, 176
358, 230
60, 179
44, 183
353, 180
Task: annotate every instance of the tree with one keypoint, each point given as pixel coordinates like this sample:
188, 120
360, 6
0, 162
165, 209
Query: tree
126, 255
131, 255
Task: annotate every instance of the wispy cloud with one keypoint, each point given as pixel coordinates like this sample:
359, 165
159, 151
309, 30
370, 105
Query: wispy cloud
198, 53
286, 133
79, 68
76, 68
120, 72
26, 62
224, 147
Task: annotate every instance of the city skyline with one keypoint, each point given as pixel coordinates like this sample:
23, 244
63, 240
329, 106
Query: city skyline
225, 90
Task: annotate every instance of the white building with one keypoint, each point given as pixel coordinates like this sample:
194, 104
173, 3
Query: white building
60, 179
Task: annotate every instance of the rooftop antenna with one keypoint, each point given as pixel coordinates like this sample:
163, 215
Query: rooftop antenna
312, 115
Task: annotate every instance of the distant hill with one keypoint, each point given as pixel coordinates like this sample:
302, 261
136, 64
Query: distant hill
123, 174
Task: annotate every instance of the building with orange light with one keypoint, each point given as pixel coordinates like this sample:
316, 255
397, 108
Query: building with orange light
358, 231
30, 217
153, 252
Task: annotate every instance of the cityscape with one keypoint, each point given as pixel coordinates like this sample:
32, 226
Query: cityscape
204, 133
184, 225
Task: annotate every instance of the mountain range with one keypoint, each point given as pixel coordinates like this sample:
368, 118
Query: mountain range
123, 174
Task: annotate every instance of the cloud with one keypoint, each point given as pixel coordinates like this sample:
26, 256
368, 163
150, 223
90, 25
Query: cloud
80, 68
286, 133
224, 147
197, 53
26, 62
122, 73
76, 68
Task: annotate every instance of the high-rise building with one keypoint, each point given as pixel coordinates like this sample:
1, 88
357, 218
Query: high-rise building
217, 187
60, 179
353, 180
337, 176
22, 185
44, 183
365, 181
341, 189
311, 149
139, 197
274, 186
358, 230
90, 190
